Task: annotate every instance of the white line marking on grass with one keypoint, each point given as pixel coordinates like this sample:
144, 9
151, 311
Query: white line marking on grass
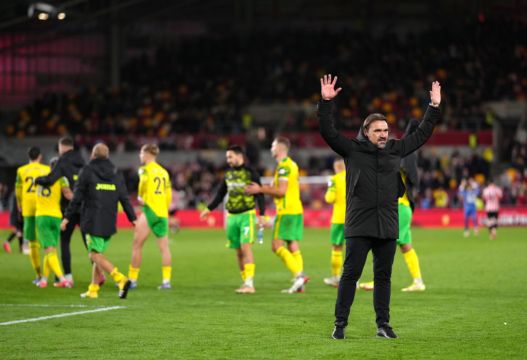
61, 315
51, 305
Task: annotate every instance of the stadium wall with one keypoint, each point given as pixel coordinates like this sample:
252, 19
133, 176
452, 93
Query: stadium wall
432, 218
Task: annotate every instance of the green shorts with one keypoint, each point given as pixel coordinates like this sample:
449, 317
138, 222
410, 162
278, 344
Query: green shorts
48, 230
405, 222
240, 229
29, 228
158, 225
337, 234
288, 227
97, 244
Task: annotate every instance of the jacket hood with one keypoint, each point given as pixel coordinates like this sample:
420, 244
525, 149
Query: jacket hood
75, 158
360, 134
103, 168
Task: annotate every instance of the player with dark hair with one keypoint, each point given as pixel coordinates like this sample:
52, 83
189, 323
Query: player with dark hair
48, 218
241, 214
373, 186
26, 197
155, 194
68, 165
469, 191
99, 189
288, 229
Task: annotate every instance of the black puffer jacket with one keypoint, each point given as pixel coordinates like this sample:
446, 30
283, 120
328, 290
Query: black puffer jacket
99, 188
373, 181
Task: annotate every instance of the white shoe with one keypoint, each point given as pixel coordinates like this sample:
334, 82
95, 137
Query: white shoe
297, 285
332, 281
414, 287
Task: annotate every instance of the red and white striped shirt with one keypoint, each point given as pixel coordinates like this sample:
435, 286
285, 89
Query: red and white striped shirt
492, 195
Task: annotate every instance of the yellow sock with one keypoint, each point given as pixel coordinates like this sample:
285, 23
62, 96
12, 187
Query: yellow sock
242, 273
298, 257
167, 273
116, 275
249, 271
54, 264
34, 256
133, 273
336, 262
46, 269
93, 288
289, 260
412, 261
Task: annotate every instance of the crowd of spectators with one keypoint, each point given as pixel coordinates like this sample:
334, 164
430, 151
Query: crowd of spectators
194, 183
205, 84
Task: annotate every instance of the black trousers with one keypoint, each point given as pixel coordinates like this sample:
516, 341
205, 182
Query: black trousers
65, 240
357, 249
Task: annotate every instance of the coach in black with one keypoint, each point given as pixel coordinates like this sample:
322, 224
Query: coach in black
99, 189
373, 185
69, 165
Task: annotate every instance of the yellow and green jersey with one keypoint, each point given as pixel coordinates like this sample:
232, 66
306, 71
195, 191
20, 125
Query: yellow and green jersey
48, 198
404, 199
26, 189
290, 203
336, 195
155, 189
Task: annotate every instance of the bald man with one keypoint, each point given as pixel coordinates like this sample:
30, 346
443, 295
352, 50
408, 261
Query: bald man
99, 189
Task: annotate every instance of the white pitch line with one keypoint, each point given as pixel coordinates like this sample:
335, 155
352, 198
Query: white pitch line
50, 305
61, 315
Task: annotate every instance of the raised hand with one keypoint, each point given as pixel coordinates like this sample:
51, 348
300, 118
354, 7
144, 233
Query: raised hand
435, 94
327, 87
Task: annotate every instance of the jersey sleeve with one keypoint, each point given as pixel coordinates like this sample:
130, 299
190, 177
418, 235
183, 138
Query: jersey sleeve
168, 192
64, 182
331, 195
143, 178
18, 188
283, 172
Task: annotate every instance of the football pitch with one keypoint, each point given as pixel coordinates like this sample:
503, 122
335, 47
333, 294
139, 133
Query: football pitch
475, 305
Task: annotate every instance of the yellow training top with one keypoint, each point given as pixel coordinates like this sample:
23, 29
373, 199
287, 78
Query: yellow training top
290, 204
336, 195
26, 189
48, 198
404, 199
155, 189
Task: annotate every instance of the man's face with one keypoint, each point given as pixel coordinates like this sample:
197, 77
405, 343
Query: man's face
277, 149
377, 133
234, 159
142, 156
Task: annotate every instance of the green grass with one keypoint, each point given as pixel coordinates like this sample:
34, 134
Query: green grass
475, 305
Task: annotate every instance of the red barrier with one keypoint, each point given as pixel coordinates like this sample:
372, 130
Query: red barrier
452, 218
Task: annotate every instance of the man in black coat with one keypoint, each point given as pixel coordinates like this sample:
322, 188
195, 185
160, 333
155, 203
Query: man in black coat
99, 188
69, 166
373, 186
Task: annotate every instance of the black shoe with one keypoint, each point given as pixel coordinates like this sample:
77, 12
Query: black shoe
385, 331
338, 333
124, 291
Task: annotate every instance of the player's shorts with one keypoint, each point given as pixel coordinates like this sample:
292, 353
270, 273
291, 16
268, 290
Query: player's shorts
492, 219
405, 223
470, 211
158, 225
29, 228
241, 228
288, 227
48, 230
97, 244
336, 234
